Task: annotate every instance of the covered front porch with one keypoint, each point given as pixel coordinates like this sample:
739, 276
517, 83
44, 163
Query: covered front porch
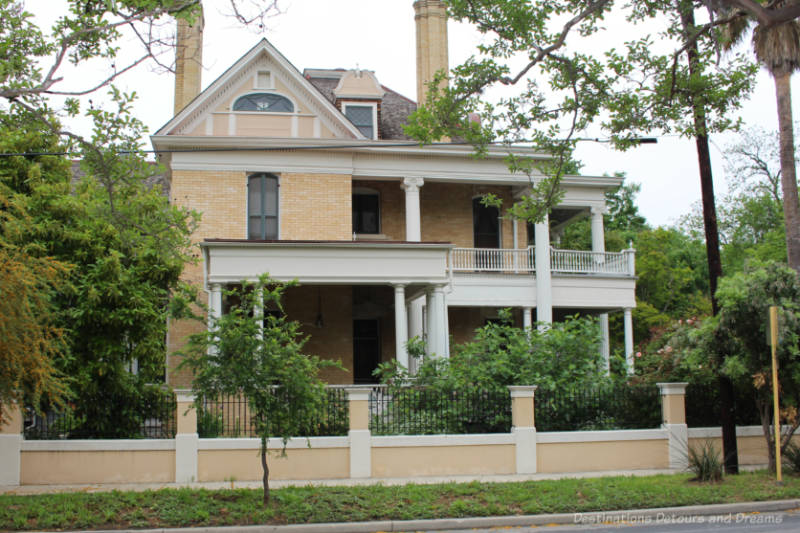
359, 302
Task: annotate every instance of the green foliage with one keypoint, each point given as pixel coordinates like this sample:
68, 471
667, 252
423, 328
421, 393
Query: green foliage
501, 355
791, 457
125, 244
705, 462
259, 356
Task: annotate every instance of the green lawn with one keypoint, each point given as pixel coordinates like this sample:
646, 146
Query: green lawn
190, 507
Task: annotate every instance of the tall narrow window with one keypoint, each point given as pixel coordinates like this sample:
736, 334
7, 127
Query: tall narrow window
366, 211
363, 117
485, 224
262, 206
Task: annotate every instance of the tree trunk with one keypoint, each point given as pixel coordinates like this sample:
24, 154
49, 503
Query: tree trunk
791, 207
265, 467
727, 421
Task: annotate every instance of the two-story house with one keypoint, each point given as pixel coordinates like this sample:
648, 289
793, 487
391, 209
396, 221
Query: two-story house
309, 176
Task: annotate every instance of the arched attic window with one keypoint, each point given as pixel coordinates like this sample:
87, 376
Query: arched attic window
273, 103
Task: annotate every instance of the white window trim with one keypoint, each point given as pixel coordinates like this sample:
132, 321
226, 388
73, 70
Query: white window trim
374, 107
271, 85
268, 91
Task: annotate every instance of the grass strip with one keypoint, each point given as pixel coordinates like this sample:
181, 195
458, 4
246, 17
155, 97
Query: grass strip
299, 505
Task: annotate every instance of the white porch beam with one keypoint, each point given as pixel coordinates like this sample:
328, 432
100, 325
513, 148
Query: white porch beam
413, 213
400, 325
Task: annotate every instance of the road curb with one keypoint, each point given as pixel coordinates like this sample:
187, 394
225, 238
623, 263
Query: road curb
595, 517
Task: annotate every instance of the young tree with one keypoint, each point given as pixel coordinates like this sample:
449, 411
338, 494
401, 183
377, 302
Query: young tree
30, 342
258, 356
745, 299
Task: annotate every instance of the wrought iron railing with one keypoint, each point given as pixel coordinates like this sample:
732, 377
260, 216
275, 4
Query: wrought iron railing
230, 416
598, 407
703, 406
424, 411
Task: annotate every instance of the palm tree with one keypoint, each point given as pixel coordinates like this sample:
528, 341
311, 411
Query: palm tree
777, 47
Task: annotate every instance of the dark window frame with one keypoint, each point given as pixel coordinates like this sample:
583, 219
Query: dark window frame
358, 222
262, 213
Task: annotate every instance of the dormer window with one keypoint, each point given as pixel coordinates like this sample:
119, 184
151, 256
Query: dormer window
273, 103
364, 116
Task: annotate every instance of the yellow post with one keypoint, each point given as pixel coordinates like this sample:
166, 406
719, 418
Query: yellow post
773, 337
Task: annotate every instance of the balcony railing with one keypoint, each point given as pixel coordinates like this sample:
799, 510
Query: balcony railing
521, 261
492, 260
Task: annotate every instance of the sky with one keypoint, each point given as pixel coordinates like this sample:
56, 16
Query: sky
378, 35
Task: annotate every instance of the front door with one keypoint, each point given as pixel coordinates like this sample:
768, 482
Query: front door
366, 349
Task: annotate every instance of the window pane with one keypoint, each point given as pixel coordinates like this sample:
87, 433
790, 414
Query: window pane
264, 102
254, 195
366, 213
272, 228
254, 228
271, 200
359, 115
367, 131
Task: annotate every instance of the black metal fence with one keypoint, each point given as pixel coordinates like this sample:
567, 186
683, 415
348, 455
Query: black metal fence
419, 411
703, 406
231, 416
598, 407
154, 419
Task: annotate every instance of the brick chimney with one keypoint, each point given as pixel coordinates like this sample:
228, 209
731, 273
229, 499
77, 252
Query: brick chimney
431, 23
188, 61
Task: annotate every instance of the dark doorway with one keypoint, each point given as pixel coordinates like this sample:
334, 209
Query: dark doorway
366, 349
485, 224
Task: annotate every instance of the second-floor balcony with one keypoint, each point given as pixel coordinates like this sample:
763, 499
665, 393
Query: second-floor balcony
522, 261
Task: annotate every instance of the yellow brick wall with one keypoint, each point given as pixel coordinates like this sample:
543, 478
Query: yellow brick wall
221, 199
316, 207
447, 212
334, 341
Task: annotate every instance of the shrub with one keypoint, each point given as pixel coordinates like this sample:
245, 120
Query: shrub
705, 461
791, 457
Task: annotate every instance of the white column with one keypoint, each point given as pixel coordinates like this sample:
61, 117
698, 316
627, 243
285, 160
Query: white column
187, 441
441, 322
544, 287
214, 303
430, 319
628, 340
413, 216
415, 328
258, 312
605, 347
527, 318
400, 325
598, 235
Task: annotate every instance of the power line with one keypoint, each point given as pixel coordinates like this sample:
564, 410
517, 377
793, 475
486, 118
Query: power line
640, 140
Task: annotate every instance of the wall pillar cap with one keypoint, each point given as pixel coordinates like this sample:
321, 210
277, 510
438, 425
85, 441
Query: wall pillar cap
522, 391
670, 389
358, 393
185, 395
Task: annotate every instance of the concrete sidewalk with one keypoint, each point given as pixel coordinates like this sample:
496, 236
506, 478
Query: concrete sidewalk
350, 482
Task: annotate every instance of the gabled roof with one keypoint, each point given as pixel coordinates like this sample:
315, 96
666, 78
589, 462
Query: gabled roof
203, 102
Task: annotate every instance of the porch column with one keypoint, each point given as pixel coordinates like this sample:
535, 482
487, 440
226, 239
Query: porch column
214, 303
599, 246
258, 312
544, 288
628, 340
430, 319
400, 325
413, 217
437, 322
598, 236
605, 344
527, 317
